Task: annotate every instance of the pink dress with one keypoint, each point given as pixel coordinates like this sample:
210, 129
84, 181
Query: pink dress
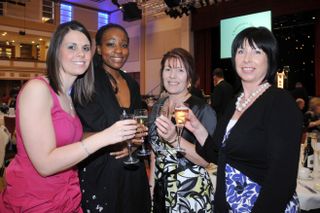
26, 190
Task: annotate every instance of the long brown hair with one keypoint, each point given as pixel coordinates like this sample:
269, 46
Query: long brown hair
83, 87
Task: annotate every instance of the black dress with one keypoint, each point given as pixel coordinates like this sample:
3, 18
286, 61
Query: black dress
106, 184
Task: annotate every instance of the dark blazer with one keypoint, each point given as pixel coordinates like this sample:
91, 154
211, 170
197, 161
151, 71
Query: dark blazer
221, 96
264, 144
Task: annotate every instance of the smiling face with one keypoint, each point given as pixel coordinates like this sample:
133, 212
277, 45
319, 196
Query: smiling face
114, 48
74, 54
175, 77
251, 63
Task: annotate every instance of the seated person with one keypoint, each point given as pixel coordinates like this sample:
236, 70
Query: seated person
312, 116
300, 103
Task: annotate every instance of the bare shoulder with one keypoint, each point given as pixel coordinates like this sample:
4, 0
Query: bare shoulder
35, 91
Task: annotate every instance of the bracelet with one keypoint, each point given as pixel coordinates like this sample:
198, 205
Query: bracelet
85, 148
174, 140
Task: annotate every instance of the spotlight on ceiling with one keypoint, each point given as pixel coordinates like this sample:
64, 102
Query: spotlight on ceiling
131, 11
172, 3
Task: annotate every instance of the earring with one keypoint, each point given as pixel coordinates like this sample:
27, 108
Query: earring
189, 85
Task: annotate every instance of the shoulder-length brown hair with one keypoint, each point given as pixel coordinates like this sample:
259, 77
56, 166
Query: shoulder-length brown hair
186, 58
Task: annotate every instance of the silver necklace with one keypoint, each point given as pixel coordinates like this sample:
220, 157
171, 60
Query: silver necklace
71, 105
242, 104
69, 99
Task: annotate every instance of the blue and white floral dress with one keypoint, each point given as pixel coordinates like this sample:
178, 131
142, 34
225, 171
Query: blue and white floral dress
241, 191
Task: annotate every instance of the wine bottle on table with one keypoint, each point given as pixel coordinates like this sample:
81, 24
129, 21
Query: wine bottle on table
308, 155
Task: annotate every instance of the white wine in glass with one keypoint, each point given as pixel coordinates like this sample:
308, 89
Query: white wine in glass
141, 116
180, 115
130, 159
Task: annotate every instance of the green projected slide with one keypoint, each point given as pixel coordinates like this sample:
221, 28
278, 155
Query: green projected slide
230, 27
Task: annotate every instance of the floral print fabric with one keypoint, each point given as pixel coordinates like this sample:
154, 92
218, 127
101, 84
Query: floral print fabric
188, 187
242, 193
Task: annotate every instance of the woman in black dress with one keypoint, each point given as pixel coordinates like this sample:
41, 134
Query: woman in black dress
257, 141
108, 186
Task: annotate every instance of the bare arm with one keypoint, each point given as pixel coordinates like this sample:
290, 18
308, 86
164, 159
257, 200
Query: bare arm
314, 123
38, 134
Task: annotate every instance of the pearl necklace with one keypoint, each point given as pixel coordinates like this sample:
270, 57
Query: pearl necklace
241, 106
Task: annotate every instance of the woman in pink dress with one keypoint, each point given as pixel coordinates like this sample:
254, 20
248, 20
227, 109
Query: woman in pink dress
42, 177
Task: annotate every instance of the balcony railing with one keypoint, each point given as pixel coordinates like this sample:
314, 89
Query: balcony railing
21, 69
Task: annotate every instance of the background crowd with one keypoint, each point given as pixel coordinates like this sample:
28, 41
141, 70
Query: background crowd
71, 141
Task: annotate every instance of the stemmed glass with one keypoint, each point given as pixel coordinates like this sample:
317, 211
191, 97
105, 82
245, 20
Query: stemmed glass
316, 149
141, 116
130, 160
180, 115
163, 110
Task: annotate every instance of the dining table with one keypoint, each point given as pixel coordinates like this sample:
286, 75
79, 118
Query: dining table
308, 191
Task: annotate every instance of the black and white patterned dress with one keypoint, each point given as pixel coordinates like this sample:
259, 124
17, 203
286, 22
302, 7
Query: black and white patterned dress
187, 186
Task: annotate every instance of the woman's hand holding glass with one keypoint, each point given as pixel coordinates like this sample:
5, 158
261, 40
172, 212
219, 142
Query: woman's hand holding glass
121, 131
166, 129
195, 126
141, 116
130, 159
142, 131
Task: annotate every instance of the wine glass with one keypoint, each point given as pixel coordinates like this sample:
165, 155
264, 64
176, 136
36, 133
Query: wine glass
130, 160
180, 115
141, 116
316, 150
164, 111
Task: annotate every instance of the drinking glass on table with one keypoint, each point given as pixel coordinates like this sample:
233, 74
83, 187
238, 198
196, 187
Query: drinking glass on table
180, 115
130, 159
315, 143
141, 116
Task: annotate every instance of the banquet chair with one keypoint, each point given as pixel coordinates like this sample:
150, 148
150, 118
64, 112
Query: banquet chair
10, 123
4, 140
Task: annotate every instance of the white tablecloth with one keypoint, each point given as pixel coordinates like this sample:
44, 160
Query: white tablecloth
308, 200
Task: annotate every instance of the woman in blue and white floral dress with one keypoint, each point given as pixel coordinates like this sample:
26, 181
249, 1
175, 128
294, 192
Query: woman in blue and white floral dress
256, 143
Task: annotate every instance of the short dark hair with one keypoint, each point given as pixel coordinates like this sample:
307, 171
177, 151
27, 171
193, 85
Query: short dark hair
186, 58
83, 87
97, 59
218, 72
263, 39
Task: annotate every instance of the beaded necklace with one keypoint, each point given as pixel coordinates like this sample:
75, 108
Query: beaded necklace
242, 104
